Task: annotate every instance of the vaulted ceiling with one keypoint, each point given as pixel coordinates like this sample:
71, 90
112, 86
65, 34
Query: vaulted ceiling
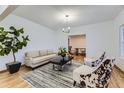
52, 16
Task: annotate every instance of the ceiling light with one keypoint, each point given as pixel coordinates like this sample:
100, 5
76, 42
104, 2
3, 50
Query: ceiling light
66, 28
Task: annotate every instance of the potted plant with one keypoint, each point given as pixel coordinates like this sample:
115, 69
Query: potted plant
10, 42
62, 52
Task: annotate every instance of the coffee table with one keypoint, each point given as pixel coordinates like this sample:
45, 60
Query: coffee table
58, 62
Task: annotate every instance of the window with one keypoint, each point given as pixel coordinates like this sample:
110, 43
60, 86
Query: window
122, 41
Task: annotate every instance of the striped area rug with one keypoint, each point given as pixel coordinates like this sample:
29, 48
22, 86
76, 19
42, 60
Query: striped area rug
46, 77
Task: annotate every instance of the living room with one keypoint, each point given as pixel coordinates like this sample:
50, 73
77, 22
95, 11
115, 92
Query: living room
44, 25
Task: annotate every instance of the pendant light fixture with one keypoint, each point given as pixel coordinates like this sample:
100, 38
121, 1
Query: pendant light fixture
66, 28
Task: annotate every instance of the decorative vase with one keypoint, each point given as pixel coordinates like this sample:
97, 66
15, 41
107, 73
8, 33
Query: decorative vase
63, 56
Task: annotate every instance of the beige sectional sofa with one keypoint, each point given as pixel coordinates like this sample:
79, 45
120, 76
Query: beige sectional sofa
37, 58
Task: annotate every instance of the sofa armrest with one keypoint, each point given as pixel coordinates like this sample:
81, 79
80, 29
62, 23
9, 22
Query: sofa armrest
28, 61
28, 58
55, 53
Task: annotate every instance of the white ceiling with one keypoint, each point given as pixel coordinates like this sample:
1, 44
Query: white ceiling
52, 16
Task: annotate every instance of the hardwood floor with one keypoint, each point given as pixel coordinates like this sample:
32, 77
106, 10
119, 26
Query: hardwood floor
15, 81
117, 79
79, 58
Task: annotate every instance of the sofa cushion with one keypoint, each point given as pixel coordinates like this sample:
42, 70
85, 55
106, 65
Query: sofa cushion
32, 54
43, 52
42, 58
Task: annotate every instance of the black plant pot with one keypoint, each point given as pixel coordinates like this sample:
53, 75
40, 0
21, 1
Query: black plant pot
13, 67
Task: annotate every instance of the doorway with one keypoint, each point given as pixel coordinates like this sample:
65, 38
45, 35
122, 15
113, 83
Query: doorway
77, 46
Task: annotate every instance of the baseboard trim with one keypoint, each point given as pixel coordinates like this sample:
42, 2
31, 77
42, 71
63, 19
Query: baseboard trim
119, 69
2, 71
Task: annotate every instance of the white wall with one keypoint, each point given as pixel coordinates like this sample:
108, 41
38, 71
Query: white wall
40, 37
99, 37
119, 20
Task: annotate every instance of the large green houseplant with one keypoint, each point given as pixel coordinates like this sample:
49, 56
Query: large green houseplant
12, 41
